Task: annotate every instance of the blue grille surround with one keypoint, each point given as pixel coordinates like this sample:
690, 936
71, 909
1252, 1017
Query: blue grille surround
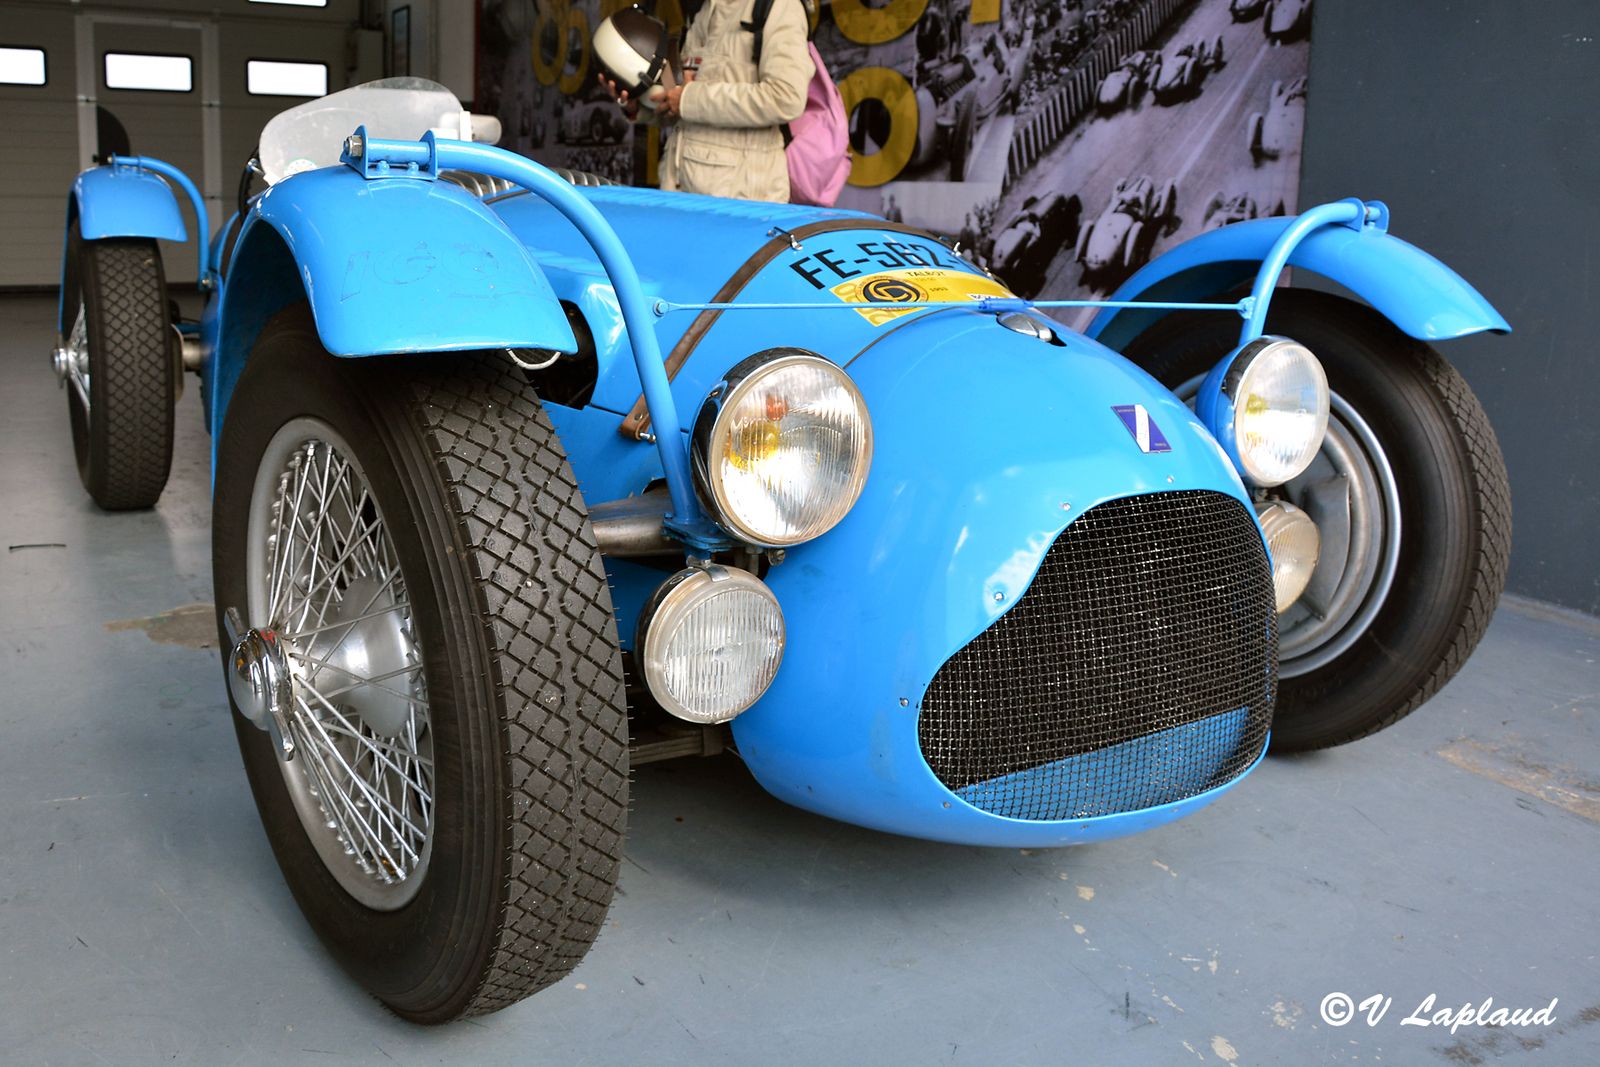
1140, 667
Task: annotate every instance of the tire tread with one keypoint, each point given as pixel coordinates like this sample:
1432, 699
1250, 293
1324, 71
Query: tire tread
131, 426
532, 553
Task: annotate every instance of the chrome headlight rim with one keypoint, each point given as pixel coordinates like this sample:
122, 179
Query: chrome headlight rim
708, 450
1219, 398
672, 602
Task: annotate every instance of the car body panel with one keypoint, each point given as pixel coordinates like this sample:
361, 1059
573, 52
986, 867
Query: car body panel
1135, 201
1415, 291
1283, 123
1121, 87
722, 237
836, 733
1286, 19
398, 265
126, 202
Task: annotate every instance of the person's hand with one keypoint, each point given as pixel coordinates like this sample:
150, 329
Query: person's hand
668, 106
629, 107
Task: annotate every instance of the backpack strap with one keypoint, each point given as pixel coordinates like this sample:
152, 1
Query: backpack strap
758, 26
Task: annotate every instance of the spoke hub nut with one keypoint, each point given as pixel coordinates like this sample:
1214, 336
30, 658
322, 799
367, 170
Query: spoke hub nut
262, 686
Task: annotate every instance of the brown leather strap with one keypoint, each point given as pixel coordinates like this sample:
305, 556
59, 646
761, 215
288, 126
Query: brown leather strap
637, 422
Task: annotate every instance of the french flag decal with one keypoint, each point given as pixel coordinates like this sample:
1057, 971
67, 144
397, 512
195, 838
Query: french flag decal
1144, 429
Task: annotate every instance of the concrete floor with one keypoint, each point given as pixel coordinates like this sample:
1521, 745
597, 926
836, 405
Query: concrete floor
142, 918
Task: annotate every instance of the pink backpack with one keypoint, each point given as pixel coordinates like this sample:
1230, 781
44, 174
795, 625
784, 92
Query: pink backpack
818, 142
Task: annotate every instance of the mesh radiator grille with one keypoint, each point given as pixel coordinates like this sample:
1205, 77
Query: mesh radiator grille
1139, 668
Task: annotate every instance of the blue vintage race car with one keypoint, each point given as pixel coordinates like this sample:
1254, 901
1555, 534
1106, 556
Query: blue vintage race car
510, 465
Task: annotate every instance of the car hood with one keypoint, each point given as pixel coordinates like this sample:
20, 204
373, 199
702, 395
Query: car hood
696, 249
1011, 244
1174, 72
1115, 84
1105, 243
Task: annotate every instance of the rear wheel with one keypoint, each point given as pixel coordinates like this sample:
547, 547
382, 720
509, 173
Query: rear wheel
451, 820
1411, 496
116, 359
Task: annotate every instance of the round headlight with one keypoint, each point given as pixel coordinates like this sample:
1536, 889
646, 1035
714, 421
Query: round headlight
782, 447
1293, 542
710, 639
1279, 398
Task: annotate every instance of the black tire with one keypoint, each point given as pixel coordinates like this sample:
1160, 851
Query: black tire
123, 443
1455, 508
509, 604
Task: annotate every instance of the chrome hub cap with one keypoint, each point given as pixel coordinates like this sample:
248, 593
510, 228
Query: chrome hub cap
324, 578
1350, 492
71, 363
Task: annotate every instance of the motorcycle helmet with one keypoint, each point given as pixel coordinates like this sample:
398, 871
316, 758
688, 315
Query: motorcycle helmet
635, 49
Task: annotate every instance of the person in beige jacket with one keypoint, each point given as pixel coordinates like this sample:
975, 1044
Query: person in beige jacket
727, 114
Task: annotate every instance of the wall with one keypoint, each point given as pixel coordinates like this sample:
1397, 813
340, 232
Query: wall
209, 132
1474, 120
443, 39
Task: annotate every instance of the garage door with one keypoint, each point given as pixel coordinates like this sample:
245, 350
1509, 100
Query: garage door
195, 91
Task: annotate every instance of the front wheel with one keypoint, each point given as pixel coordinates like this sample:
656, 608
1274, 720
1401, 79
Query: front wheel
117, 362
1411, 497
451, 819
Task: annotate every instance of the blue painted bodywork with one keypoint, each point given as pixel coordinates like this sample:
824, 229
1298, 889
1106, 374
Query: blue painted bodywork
964, 499
948, 534
126, 202
1412, 289
409, 266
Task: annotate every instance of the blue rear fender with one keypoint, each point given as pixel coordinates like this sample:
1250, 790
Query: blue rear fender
965, 498
110, 202
1415, 291
125, 202
388, 266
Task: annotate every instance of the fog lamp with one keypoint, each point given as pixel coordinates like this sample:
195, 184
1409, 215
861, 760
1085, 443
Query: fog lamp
710, 640
1294, 543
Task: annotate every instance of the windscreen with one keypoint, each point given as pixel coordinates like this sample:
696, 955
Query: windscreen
312, 135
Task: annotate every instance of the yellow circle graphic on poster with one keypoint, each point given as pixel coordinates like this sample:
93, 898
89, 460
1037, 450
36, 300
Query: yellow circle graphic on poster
897, 105
866, 24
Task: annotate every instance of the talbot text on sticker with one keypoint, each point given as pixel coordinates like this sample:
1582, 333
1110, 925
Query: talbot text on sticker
914, 287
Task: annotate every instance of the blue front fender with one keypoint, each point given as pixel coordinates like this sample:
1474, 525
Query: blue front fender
1412, 289
402, 265
126, 202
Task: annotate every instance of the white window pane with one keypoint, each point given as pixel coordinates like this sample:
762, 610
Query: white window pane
267, 77
22, 66
293, 3
170, 74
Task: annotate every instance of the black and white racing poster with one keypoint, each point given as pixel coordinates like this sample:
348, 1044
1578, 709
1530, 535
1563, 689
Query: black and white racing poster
1063, 144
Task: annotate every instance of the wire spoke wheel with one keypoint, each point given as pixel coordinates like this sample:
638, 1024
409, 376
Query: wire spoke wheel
77, 366
449, 816
325, 576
